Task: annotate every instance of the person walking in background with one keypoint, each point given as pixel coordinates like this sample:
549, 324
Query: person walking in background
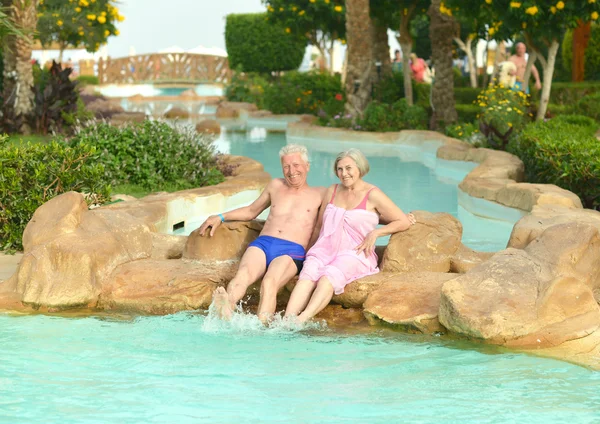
520, 61
397, 62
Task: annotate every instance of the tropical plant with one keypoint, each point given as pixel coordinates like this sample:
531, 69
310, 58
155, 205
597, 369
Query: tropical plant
77, 23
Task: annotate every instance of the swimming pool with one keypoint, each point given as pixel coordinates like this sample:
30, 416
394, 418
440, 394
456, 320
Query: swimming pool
185, 368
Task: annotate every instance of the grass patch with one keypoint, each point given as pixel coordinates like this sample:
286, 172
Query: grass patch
139, 191
16, 139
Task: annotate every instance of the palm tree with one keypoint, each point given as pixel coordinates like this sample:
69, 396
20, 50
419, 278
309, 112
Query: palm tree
442, 30
18, 75
361, 69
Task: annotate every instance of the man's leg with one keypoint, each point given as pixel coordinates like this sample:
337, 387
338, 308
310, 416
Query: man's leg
281, 270
252, 267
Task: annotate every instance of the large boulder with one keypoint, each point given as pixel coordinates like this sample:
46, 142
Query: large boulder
69, 267
176, 112
232, 109
540, 296
55, 218
167, 246
124, 118
164, 286
408, 301
427, 246
208, 126
356, 292
534, 224
465, 259
104, 108
228, 243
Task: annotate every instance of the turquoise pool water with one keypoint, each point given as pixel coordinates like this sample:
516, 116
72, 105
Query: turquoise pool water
410, 184
185, 368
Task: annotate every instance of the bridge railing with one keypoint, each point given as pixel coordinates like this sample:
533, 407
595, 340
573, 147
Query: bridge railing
164, 67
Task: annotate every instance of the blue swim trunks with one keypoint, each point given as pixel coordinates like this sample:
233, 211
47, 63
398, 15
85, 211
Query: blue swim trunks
275, 247
519, 87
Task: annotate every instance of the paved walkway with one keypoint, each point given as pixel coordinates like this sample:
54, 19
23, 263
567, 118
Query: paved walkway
8, 265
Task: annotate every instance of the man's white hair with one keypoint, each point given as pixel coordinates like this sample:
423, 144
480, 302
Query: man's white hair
290, 149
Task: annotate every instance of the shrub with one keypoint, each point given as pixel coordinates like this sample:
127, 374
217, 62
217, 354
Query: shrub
391, 89
32, 174
298, 92
256, 45
87, 79
396, 117
578, 120
462, 131
568, 155
467, 113
466, 95
502, 112
589, 106
568, 93
153, 154
247, 87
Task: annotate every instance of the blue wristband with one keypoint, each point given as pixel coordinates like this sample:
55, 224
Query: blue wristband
222, 217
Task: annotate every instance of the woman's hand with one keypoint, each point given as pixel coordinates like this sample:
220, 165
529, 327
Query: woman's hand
411, 218
368, 244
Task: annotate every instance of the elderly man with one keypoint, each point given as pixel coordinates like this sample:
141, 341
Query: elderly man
279, 251
521, 63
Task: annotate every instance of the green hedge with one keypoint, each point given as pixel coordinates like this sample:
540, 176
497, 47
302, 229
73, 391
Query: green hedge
561, 153
153, 154
568, 93
32, 174
256, 45
580, 120
88, 79
466, 95
589, 106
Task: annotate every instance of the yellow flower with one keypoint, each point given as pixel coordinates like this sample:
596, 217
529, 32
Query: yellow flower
101, 19
560, 5
338, 8
59, 23
552, 10
91, 17
515, 4
524, 25
294, 8
120, 18
78, 9
117, 32
531, 10
301, 13
594, 16
81, 33
327, 1
488, 1
492, 31
591, 1
288, 30
312, 1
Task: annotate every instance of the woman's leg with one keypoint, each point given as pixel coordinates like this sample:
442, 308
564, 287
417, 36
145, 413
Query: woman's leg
300, 297
320, 298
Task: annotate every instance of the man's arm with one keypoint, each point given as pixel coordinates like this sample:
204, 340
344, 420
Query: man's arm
246, 213
325, 195
536, 75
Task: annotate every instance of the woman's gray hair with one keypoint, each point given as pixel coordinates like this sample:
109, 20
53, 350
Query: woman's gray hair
358, 157
290, 149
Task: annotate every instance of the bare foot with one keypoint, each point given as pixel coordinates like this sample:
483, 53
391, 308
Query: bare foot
221, 304
265, 318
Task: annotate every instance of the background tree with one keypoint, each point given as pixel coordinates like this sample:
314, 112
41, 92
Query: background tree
83, 23
322, 22
442, 29
542, 24
18, 75
360, 73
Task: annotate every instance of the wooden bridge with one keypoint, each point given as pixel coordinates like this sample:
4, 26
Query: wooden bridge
165, 68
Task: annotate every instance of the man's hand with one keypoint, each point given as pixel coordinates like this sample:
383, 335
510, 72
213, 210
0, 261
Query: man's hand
538, 85
213, 222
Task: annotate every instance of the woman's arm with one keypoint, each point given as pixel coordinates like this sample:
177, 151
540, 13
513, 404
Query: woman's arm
391, 214
317, 230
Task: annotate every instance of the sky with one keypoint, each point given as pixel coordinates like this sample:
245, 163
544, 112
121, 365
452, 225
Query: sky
152, 25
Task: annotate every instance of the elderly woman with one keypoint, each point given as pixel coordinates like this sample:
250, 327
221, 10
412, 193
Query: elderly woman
345, 249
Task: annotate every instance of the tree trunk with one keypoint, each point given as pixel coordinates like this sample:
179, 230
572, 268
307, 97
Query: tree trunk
581, 36
547, 82
468, 49
406, 41
361, 69
381, 49
18, 75
441, 31
527, 75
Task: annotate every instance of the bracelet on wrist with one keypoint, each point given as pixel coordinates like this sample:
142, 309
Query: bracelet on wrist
222, 217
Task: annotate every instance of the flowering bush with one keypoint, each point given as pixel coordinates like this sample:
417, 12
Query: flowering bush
467, 132
297, 92
502, 113
246, 87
